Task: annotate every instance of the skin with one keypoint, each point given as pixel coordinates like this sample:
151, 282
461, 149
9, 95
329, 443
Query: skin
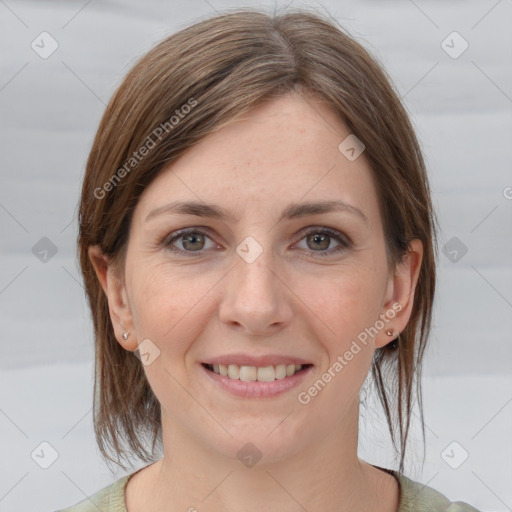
290, 301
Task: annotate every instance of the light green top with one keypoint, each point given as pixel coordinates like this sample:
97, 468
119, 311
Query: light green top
414, 497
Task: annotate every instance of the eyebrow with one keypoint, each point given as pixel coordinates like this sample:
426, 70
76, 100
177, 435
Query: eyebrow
292, 211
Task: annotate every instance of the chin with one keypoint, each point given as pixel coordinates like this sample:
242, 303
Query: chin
258, 446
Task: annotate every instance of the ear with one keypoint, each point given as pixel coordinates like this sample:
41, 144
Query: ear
112, 282
400, 294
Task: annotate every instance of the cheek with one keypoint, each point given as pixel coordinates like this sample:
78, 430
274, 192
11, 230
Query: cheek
168, 307
349, 309
352, 300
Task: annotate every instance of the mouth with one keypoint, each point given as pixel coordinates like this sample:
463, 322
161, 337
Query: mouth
269, 373
246, 375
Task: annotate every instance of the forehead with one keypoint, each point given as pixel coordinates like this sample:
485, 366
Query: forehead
285, 150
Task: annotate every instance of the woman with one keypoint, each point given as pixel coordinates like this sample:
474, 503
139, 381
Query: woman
256, 228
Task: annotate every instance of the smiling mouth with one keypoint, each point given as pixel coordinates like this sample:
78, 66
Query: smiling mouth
255, 373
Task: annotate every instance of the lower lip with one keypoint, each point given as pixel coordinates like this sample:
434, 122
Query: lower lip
256, 389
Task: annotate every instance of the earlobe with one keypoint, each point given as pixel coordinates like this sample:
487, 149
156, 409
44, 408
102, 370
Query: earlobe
115, 290
401, 290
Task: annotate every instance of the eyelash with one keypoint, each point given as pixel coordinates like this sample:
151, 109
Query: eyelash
345, 242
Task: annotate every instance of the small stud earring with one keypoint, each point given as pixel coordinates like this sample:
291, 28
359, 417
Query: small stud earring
125, 335
389, 333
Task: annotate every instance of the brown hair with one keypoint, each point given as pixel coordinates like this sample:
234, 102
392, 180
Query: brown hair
198, 80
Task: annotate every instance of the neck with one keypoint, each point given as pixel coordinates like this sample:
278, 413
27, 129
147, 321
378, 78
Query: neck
327, 475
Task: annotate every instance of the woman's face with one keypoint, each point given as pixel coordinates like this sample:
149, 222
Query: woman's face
260, 281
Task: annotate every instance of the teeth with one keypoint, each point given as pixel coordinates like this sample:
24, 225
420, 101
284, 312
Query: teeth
280, 371
266, 374
233, 371
247, 373
253, 373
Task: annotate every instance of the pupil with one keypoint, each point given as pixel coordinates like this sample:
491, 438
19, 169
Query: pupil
324, 237
189, 237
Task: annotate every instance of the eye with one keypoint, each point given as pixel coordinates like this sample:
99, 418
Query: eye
191, 240
320, 240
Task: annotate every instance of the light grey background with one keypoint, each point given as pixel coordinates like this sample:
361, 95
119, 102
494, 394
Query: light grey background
49, 111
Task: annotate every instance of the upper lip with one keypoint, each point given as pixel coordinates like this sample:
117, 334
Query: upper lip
259, 361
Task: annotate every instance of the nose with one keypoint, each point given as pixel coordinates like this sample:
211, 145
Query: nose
255, 296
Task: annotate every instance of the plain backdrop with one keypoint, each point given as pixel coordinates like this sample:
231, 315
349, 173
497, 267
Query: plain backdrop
451, 63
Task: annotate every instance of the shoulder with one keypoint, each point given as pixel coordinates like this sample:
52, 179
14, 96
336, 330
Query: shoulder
108, 499
417, 497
